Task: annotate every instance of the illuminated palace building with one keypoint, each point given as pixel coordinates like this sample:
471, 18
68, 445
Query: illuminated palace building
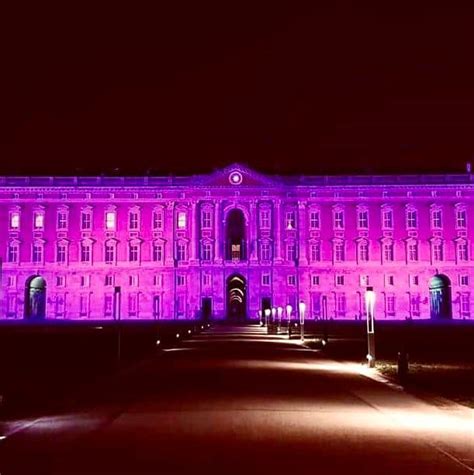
228, 244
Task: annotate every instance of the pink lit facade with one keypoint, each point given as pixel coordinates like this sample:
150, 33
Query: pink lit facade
233, 242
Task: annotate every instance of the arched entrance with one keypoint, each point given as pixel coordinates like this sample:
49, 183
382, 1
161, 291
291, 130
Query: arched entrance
235, 248
236, 298
440, 297
35, 298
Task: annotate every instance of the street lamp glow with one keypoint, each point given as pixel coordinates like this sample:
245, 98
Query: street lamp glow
267, 315
289, 309
302, 309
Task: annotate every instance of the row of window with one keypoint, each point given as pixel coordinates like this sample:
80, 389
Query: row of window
207, 251
110, 219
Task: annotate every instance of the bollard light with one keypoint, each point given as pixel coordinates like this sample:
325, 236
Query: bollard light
260, 317
267, 315
370, 308
302, 309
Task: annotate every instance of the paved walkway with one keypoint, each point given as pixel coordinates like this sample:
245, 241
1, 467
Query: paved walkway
236, 401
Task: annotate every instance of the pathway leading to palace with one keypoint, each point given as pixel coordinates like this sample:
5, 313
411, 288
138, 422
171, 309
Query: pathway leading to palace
234, 400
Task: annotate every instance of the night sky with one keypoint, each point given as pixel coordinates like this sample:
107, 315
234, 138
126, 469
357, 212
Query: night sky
188, 88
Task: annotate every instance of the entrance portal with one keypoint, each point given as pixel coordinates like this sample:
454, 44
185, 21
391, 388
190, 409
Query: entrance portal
440, 297
35, 298
236, 298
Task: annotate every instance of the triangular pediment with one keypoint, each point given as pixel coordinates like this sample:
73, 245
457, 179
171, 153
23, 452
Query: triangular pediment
238, 175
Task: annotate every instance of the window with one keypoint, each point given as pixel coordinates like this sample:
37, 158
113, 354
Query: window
109, 280
414, 280
464, 280
207, 279
364, 280
13, 253
61, 219
84, 305
387, 218
86, 220
61, 253
461, 218
180, 280
363, 219
315, 280
133, 220
181, 253
206, 251
11, 305
290, 221
133, 252
314, 219
85, 281
37, 254
388, 254
389, 280
291, 280
415, 305
265, 218
315, 252
38, 221
462, 251
291, 251
110, 220
86, 252
465, 304
60, 306
339, 280
11, 281
265, 279
110, 252
390, 305
157, 220
265, 251
108, 305
133, 305
14, 220
157, 280
339, 219
181, 219
157, 252
133, 280
412, 252
363, 251
438, 251
339, 251
436, 219
412, 218
341, 305
60, 281
206, 219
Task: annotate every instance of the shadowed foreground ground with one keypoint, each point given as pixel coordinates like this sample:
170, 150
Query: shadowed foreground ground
234, 400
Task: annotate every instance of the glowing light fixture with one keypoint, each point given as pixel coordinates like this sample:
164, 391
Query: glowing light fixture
235, 178
110, 220
302, 309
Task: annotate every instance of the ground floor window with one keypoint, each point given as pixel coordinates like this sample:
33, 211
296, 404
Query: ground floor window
415, 305
11, 305
108, 305
316, 305
60, 305
180, 306
133, 305
341, 305
84, 302
465, 304
389, 305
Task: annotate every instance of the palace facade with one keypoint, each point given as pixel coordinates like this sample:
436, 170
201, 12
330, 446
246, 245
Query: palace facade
231, 243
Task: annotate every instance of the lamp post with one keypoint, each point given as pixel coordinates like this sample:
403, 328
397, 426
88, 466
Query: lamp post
116, 310
370, 306
274, 311
267, 313
289, 309
259, 313
302, 309
279, 313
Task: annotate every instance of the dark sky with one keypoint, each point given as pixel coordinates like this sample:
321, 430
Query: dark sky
188, 88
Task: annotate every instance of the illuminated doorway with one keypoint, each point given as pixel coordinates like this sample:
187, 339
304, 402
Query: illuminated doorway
35, 298
236, 298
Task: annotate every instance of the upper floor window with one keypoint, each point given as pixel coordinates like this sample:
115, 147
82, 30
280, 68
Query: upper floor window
338, 219
157, 220
387, 218
461, 218
38, 220
265, 279
37, 255
109, 280
265, 251
363, 251
291, 251
438, 251
363, 219
388, 251
181, 280
133, 220
110, 252
315, 251
14, 220
206, 219
436, 218
412, 218
61, 252
206, 251
339, 251
314, 219
290, 221
181, 220
157, 252
265, 218
181, 251
133, 252
110, 220
86, 251
464, 280
291, 280
62, 219
462, 251
412, 251
13, 253
86, 220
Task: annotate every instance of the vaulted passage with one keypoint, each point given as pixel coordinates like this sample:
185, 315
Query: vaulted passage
35, 298
236, 298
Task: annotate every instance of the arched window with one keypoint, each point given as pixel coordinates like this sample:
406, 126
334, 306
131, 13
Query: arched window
411, 217
387, 218
362, 218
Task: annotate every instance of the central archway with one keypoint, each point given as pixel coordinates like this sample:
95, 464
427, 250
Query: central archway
236, 248
440, 297
35, 298
236, 298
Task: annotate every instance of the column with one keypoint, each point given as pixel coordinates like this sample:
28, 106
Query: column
302, 233
277, 231
169, 234
193, 251
253, 244
218, 232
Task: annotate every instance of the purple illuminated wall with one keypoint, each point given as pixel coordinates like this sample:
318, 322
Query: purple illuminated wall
167, 243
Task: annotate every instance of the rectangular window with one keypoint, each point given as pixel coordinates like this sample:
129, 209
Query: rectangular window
265, 279
206, 219
11, 305
110, 220
61, 253
133, 253
181, 251
157, 252
157, 220
60, 306
412, 249
364, 280
11, 281
462, 252
86, 221
438, 251
414, 280
388, 254
109, 280
291, 251
180, 306
315, 252
412, 219
339, 280
415, 305
62, 220
108, 305
363, 249
13, 253
207, 279
86, 252
464, 280
157, 280
466, 304
387, 219
338, 219
315, 280
436, 219
14, 220
180, 280
206, 251
291, 280
84, 305
363, 219
133, 280
461, 218
341, 305
37, 255
181, 220
38, 222
133, 305
85, 281
265, 251
60, 281
133, 221
314, 219
290, 220
339, 252
389, 280
110, 253
390, 305
265, 219
316, 304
